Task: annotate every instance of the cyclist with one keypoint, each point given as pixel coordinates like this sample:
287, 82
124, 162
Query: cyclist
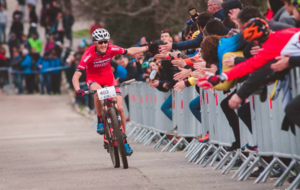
96, 60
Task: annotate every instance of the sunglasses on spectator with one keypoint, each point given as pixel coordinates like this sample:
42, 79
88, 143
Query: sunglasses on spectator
102, 42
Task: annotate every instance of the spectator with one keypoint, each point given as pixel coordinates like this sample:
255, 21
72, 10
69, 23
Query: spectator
54, 11
215, 7
118, 70
50, 44
56, 74
96, 25
21, 4
3, 74
166, 36
68, 21
45, 77
24, 41
229, 5
58, 28
26, 67
15, 63
17, 27
177, 39
131, 71
18, 14
13, 43
46, 19
3, 23
35, 43
33, 18
57, 48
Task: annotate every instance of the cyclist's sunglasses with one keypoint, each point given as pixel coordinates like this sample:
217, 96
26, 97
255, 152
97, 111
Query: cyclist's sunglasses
102, 42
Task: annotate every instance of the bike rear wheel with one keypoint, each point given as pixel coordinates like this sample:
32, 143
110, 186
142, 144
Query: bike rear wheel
119, 139
113, 151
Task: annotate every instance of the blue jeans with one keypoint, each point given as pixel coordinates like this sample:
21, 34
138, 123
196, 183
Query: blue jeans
2, 33
195, 108
18, 80
45, 80
166, 107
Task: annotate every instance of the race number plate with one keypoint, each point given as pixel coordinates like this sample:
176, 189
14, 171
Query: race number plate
107, 92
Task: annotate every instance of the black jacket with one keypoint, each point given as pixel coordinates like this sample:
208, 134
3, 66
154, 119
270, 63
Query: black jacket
169, 71
131, 74
17, 28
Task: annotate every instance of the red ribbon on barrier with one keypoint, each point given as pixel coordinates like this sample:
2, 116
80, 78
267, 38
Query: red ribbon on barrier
201, 100
216, 96
181, 104
271, 105
207, 97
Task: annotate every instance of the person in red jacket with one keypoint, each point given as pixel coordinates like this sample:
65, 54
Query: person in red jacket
273, 44
95, 26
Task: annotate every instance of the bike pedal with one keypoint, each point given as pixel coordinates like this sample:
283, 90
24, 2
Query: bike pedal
105, 146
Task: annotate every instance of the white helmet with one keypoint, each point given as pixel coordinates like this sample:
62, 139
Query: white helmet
100, 34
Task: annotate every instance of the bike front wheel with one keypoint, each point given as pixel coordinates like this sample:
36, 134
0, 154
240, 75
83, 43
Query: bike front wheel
118, 136
113, 150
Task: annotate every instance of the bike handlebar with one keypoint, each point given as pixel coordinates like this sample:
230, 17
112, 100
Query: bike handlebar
118, 85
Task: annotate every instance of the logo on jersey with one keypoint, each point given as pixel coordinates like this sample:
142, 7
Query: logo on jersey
115, 49
87, 58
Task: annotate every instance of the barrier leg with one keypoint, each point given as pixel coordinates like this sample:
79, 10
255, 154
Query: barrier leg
159, 142
147, 135
193, 150
281, 180
131, 132
150, 139
136, 132
231, 163
266, 170
242, 167
204, 154
223, 161
189, 146
169, 144
212, 156
197, 151
295, 183
141, 132
182, 139
247, 173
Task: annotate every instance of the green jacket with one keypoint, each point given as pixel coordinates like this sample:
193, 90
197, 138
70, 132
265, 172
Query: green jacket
36, 44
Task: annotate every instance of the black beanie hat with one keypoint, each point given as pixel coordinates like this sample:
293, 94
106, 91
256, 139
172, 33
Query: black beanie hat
231, 4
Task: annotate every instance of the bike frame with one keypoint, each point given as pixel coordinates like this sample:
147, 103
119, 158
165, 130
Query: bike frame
109, 104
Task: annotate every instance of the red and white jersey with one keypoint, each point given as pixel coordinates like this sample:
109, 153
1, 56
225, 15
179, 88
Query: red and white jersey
99, 64
280, 43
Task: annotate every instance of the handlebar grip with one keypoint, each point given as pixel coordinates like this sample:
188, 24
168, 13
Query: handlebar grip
87, 92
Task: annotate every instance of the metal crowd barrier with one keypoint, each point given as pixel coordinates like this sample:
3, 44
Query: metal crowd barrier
148, 122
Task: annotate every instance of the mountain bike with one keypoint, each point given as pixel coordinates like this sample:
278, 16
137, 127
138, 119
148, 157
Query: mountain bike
114, 134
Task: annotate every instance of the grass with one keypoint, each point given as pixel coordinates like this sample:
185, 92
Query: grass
81, 33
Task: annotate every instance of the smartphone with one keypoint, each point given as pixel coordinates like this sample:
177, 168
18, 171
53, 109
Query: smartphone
193, 13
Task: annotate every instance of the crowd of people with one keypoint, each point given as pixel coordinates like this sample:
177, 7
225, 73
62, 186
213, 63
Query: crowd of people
227, 45
34, 63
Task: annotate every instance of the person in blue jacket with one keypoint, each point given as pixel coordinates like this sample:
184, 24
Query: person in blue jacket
26, 67
45, 78
56, 74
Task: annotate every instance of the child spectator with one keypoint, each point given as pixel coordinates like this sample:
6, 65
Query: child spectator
45, 77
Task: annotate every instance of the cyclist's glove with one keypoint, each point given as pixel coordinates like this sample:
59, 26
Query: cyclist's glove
153, 48
80, 93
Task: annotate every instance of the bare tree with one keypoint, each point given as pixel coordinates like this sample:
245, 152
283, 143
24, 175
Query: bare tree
129, 20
